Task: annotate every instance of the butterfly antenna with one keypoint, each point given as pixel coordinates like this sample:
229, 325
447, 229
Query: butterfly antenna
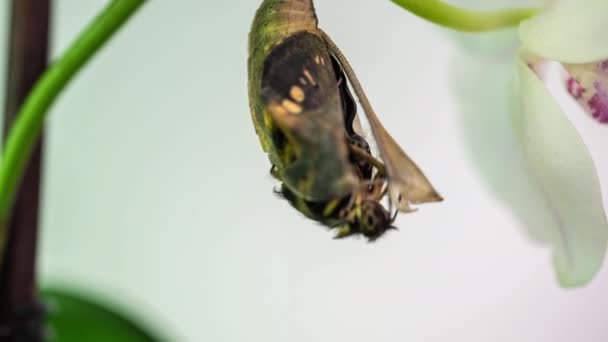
394, 217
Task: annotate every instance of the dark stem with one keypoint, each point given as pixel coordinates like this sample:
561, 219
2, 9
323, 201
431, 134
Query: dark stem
20, 314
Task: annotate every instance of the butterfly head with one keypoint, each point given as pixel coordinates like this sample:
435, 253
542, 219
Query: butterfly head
367, 217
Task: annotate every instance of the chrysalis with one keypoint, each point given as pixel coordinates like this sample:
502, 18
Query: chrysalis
305, 117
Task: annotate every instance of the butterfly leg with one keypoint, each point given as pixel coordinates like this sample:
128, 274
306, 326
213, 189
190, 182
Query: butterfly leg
360, 153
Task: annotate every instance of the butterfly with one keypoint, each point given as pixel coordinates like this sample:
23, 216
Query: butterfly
307, 122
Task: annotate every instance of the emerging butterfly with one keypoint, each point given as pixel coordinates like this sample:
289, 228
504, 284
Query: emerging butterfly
306, 119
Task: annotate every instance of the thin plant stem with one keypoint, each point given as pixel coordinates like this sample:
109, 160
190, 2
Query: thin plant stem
21, 317
30, 120
20, 314
460, 19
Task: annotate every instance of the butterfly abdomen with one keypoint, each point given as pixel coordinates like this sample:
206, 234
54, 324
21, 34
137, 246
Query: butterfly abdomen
276, 20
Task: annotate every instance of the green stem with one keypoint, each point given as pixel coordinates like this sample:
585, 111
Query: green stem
460, 19
30, 119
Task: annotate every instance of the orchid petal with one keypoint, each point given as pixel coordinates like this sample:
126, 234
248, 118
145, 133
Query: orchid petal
565, 172
483, 85
571, 31
588, 84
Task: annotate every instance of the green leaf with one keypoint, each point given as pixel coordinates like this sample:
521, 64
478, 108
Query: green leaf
565, 173
75, 318
571, 31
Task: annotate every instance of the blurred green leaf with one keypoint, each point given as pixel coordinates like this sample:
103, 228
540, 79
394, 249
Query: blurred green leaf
74, 318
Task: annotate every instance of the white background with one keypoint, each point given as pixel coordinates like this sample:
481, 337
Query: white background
157, 193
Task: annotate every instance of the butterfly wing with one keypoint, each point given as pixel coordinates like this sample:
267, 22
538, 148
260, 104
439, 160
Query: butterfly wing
301, 96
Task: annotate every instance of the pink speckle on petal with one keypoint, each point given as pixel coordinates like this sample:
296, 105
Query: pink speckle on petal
599, 103
574, 88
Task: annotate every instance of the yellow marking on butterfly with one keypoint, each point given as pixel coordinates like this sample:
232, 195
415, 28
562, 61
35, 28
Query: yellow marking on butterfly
309, 77
331, 206
276, 109
297, 94
268, 119
291, 107
303, 207
358, 211
343, 231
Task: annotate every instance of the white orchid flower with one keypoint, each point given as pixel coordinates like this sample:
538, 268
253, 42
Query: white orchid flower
574, 32
552, 186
